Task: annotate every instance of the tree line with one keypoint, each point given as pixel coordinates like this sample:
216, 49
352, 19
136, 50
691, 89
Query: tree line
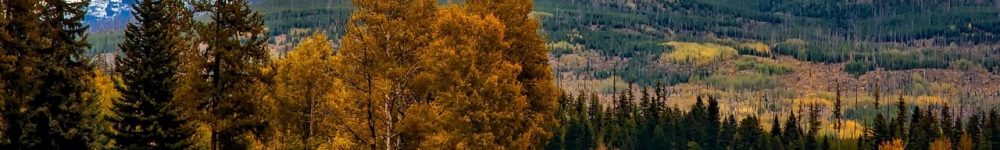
408, 74
646, 122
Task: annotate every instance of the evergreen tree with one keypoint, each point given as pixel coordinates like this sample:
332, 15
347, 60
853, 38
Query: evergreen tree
750, 135
881, 131
792, 134
917, 138
596, 114
147, 118
991, 129
20, 42
974, 129
47, 77
712, 124
949, 128
814, 126
774, 135
231, 70
837, 110
692, 125
898, 126
727, 134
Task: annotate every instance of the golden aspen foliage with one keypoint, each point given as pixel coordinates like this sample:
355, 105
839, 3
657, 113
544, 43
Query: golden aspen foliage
305, 94
528, 49
758, 47
895, 144
104, 95
965, 142
941, 144
469, 78
380, 47
697, 53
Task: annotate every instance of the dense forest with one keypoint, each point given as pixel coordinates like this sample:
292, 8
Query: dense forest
502, 74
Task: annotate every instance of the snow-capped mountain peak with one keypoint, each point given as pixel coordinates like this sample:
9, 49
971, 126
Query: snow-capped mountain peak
108, 14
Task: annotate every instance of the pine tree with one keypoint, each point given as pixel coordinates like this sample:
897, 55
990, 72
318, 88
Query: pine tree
749, 135
774, 135
20, 42
974, 128
881, 131
727, 134
233, 59
898, 126
814, 126
949, 128
792, 134
596, 112
712, 124
991, 129
147, 118
47, 76
837, 110
917, 138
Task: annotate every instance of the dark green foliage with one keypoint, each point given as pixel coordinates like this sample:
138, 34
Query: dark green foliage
858, 68
749, 135
727, 134
792, 135
235, 51
147, 117
634, 126
898, 126
880, 131
45, 74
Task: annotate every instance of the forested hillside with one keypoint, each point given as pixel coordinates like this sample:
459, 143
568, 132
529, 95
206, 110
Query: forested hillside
502, 74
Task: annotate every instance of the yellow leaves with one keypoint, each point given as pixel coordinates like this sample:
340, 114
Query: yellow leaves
849, 129
104, 91
758, 47
572, 61
697, 53
894, 144
814, 99
941, 144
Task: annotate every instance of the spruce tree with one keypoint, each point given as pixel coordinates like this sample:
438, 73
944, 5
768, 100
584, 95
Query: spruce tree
917, 137
991, 129
974, 127
20, 42
898, 126
814, 126
774, 135
880, 131
948, 127
837, 110
596, 113
235, 52
792, 134
46, 76
712, 124
749, 135
147, 116
727, 134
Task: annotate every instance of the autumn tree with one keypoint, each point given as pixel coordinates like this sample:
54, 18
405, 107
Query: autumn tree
477, 86
382, 45
147, 118
527, 49
306, 92
229, 71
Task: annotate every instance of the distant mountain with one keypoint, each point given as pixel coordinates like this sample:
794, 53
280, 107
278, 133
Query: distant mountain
104, 15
